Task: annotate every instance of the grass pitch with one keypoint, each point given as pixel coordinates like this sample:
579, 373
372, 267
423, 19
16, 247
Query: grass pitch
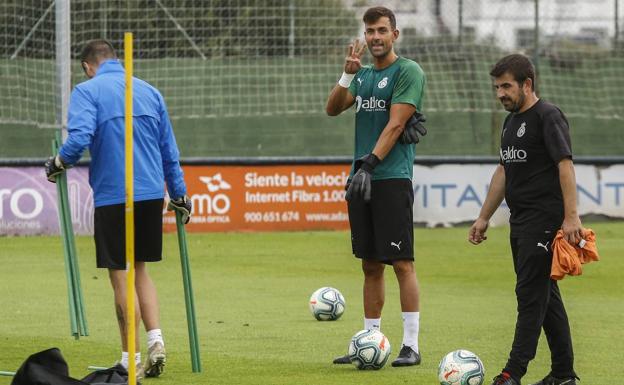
251, 294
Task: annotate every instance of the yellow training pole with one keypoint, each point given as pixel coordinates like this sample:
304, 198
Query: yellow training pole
130, 324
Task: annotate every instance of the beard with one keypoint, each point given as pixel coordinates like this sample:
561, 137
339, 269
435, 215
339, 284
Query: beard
513, 105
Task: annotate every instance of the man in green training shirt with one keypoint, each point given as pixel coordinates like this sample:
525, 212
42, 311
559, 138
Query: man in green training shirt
380, 195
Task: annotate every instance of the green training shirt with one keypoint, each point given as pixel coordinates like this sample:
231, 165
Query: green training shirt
375, 91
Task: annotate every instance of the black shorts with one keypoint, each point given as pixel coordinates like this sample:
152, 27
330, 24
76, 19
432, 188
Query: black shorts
110, 233
383, 229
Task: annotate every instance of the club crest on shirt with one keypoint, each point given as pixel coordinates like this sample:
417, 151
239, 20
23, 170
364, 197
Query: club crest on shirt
383, 83
521, 130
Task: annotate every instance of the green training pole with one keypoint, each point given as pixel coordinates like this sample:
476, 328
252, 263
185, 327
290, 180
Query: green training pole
8, 374
75, 272
68, 235
188, 296
61, 181
75, 269
65, 230
94, 368
77, 287
66, 252
77, 312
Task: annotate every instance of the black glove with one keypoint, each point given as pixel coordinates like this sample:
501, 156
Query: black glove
413, 127
183, 205
54, 166
360, 186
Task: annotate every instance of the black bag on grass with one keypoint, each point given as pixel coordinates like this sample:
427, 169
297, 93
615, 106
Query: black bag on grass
44, 368
115, 375
49, 368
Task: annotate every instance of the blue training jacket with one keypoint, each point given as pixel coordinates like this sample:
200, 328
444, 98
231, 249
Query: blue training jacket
96, 119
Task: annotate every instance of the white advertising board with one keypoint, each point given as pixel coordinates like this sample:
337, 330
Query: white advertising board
449, 194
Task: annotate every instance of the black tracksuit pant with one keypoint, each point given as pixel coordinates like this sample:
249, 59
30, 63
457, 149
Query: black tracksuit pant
539, 306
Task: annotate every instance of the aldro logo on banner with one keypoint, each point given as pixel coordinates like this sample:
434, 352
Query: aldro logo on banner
16, 206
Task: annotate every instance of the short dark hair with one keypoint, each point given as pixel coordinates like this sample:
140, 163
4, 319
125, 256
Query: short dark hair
96, 50
519, 66
375, 13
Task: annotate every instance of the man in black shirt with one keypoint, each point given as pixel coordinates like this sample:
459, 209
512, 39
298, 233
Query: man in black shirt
536, 178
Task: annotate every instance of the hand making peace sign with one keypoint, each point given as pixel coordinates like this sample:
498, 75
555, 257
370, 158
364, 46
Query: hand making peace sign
354, 53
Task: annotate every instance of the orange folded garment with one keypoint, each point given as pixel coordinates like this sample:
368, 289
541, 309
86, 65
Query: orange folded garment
567, 258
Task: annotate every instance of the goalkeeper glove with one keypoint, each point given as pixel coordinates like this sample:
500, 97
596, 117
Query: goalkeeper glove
360, 186
54, 166
413, 127
182, 205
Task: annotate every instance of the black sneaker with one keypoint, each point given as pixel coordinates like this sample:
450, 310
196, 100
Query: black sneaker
551, 380
407, 357
342, 360
504, 379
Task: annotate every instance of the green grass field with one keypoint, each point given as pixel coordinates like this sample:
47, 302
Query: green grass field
252, 292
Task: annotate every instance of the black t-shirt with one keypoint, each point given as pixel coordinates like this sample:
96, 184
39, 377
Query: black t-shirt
532, 145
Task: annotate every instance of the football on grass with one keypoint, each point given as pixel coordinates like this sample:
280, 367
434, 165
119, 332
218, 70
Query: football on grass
369, 349
461, 367
327, 304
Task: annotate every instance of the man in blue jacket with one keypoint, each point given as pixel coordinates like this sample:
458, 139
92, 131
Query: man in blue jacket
96, 120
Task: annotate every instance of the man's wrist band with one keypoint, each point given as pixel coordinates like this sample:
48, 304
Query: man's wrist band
345, 80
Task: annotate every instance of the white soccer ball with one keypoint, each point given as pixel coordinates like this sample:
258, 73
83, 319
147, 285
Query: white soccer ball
461, 367
369, 349
327, 304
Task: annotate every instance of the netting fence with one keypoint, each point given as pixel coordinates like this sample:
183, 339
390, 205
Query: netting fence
251, 77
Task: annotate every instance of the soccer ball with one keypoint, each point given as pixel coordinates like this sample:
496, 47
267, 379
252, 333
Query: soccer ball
369, 349
327, 304
461, 367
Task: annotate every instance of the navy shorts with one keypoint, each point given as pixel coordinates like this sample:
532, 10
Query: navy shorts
383, 229
110, 233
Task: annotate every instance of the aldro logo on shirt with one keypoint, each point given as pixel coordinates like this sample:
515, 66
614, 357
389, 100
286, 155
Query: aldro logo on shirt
512, 154
370, 104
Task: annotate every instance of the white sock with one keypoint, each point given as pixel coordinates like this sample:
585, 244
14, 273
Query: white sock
153, 336
124, 359
372, 323
411, 322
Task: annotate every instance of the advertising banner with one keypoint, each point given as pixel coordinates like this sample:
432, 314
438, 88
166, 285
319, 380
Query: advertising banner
452, 193
449, 194
287, 197
266, 198
225, 198
28, 203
